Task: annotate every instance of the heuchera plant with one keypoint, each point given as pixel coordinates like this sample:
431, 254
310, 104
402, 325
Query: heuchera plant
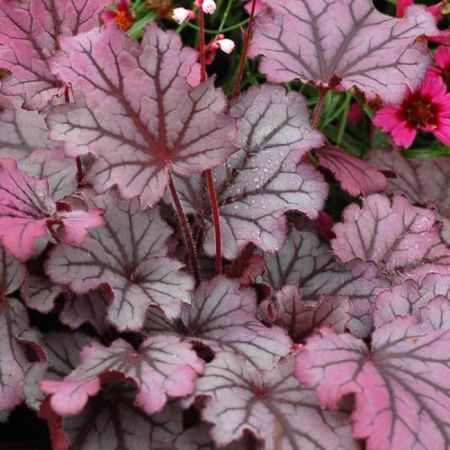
206, 239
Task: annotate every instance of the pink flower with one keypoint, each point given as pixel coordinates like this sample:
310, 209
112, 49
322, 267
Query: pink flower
208, 6
426, 109
181, 14
121, 16
442, 61
436, 10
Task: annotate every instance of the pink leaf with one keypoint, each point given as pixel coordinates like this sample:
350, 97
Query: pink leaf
264, 180
356, 176
362, 47
163, 366
29, 32
27, 210
401, 385
77, 224
436, 315
21, 132
129, 255
139, 135
270, 405
300, 318
400, 237
310, 263
408, 298
223, 317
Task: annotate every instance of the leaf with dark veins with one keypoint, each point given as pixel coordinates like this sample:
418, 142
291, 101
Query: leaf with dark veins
436, 315
345, 43
27, 212
29, 32
223, 317
271, 406
21, 132
402, 238
288, 310
12, 273
401, 385
112, 421
129, 255
13, 362
59, 171
163, 366
264, 179
357, 177
40, 293
408, 298
137, 113
309, 263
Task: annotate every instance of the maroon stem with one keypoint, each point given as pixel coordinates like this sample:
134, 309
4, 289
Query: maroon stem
248, 35
208, 173
319, 107
186, 231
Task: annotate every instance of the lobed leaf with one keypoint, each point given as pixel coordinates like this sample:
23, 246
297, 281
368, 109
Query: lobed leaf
129, 255
136, 111
401, 385
29, 32
345, 44
271, 406
163, 366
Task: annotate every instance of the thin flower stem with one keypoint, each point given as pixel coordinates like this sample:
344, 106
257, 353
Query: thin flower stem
186, 231
248, 35
319, 107
208, 173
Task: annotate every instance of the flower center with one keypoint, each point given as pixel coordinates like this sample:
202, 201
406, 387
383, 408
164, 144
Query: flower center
419, 111
123, 20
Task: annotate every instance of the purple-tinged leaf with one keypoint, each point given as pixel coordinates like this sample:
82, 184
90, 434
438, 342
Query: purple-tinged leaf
408, 298
27, 212
29, 32
60, 172
13, 361
263, 179
401, 385
402, 238
112, 421
356, 176
310, 264
163, 366
361, 47
40, 293
21, 132
127, 254
12, 273
223, 317
139, 134
272, 406
299, 318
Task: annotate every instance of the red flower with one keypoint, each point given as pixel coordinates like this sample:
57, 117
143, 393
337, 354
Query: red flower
122, 15
426, 109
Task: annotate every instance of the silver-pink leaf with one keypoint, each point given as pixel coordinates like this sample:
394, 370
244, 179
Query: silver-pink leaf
137, 112
273, 406
129, 255
401, 384
402, 238
29, 32
345, 43
163, 366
